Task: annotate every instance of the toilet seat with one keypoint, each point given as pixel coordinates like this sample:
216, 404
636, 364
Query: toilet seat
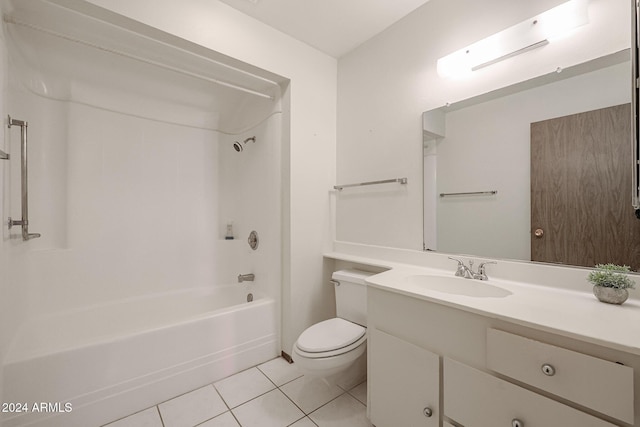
330, 338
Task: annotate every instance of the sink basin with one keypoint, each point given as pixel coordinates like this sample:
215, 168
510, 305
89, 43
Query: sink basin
458, 286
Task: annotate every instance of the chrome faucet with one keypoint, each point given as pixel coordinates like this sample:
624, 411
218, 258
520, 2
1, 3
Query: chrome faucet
246, 277
468, 273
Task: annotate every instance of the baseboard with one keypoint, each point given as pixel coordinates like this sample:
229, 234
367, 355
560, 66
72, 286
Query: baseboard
286, 357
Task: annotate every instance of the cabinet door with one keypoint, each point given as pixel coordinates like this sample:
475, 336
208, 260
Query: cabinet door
403, 380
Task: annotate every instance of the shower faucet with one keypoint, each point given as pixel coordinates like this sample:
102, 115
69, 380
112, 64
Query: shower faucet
246, 277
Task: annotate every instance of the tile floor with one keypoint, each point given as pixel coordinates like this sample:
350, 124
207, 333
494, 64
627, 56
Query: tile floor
274, 394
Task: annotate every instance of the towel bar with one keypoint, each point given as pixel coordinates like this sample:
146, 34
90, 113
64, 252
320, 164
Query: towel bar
360, 184
472, 193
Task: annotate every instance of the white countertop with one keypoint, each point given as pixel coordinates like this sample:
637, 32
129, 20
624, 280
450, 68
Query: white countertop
571, 313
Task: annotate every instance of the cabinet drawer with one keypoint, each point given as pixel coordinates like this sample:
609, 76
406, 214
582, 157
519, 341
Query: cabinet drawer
603, 386
476, 399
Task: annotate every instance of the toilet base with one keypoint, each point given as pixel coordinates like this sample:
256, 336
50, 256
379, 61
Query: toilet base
346, 378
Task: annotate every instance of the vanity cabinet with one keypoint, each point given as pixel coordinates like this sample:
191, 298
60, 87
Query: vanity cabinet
404, 378
488, 372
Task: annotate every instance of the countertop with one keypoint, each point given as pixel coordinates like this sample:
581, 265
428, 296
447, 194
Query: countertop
565, 312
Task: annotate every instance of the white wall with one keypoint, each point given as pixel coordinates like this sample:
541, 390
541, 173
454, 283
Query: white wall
386, 84
309, 142
487, 142
11, 296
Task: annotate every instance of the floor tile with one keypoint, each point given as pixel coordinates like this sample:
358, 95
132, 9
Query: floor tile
280, 371
269, 410
360, 392
345, 411
224, 420
305, 422
242, 387
147, 418
192, 408
310, 393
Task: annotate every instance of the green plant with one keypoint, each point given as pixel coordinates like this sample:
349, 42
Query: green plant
611, 276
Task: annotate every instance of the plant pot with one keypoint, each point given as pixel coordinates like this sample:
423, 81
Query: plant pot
610, 295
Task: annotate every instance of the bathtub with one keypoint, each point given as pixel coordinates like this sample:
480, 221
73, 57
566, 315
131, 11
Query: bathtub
97, 364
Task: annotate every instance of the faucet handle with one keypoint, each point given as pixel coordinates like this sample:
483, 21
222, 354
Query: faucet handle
461, 270
482, 264
481, 273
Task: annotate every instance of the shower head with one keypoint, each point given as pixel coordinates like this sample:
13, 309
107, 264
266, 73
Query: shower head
237, 145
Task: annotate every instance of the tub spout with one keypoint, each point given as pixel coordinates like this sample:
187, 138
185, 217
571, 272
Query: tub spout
246, 277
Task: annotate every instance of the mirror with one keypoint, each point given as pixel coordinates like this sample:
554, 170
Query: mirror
486, 157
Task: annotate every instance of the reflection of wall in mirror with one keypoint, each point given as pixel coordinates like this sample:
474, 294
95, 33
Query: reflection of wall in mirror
487, 148
385, 84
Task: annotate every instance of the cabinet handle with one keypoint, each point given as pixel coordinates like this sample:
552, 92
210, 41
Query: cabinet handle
427, 412
517, 423
548, 370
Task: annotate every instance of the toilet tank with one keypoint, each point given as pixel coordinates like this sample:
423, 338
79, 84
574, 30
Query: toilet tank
351, 295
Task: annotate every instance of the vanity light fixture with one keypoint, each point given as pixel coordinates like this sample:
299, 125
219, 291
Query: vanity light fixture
525, 36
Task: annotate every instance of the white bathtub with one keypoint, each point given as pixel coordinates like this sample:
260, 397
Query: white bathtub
111, 360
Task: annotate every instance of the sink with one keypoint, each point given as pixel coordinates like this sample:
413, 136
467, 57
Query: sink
458, 286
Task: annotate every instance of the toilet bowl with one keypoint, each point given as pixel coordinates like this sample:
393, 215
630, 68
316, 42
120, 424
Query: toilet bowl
329, 347
334, 345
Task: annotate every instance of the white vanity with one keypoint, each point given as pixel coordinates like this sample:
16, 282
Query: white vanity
448, 351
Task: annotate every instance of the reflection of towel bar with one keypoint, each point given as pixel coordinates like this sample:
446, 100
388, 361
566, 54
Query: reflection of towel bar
400, 180
3, 155
472, 193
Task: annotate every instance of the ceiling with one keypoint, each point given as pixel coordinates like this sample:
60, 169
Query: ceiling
332, 26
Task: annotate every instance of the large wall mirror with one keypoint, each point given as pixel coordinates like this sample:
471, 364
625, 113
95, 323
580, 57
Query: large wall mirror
537, 171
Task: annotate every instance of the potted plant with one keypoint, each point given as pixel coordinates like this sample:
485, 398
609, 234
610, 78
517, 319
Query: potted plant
610, 283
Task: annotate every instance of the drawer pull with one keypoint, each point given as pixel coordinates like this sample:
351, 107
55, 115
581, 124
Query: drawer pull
427, 412
517, 423
548, 370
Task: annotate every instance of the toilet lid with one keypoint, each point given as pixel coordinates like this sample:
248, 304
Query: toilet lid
330, 335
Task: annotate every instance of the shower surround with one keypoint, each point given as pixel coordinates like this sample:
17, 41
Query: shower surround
133, 178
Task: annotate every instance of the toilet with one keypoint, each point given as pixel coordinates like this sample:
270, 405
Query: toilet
333, 346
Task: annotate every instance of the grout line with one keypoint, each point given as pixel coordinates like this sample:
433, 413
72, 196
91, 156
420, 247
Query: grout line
352, 395
294, 403
221, 398
132, 414
235, 418
301, 418
254, 398
307, 417
290, 381
222, 413
337, 397
160, 415
182, 394
266, 375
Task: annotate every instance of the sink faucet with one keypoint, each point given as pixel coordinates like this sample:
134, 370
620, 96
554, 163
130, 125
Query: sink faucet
246, 277
468, 273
